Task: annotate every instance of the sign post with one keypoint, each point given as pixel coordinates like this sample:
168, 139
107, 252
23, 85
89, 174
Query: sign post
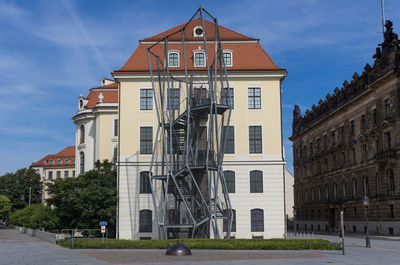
342, 230
103, 225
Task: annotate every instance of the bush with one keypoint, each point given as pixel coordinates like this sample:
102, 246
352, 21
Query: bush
5, 207
232, 244
36, 216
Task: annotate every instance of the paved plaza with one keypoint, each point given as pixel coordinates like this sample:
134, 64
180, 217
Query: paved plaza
17, 248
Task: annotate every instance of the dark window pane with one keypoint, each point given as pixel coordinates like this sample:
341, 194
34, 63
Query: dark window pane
145, 221
146, 140
173, 98
173, 59
226, 222
227, 96
257, 220
230, 180
255, 139
146, 99
145, 182
229, 147
256, 181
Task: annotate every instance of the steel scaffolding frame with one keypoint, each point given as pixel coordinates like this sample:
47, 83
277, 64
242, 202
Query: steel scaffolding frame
189, 190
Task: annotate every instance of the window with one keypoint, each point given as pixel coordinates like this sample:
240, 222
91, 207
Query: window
365, 185
50, 176
365, 151
312, 194
66, 174
227, 96
173, 59
354, 187
226, 223
82, 162
58, 174
199, 59
116, 127
67, 161
229, 147
173, 99
325, 141
254, 97
257, 220
391, 207
391, 180
256, 181
318, 145
362, 122
342, 133
388, 140
145, 221
146, 140
115, 158
146, 99
255, 139
353, 132
377, 186
82, 139
73, 173
51, 162
230, 180
354, 155
227, 58
333, 137
375, 116
335, 190
326, 191
319, 193
59, 162
387, 107
145, 182
344, 189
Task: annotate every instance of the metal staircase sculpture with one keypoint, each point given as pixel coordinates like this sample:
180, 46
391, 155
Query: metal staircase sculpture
189, 191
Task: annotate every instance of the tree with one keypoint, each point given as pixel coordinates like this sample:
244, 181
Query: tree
17, 186
84, 201
5, 207
37, 216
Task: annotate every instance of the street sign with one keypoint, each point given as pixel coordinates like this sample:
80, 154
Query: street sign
103, 223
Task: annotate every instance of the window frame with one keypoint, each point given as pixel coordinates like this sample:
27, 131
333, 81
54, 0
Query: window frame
173, 99
229, 145
145, 221
145, 143
146, 99
144, 181
225, 97
195, 59
255, 144
257, 220
254, 98
174, 52
231, 57
230, 180
256, 181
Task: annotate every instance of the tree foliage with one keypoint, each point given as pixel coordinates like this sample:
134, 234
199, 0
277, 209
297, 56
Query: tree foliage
84, 201
16, 187
36, 216
5, 207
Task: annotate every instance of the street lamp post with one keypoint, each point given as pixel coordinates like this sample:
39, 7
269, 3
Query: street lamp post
366, 204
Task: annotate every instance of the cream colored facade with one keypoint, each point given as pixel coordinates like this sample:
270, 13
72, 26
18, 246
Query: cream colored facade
270, 161
97, 115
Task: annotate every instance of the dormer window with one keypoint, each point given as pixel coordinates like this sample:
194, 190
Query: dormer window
173, 59
51, 162
45, 162
227, 56
80, 103
67, 161
198, 31
59, 162
199, 59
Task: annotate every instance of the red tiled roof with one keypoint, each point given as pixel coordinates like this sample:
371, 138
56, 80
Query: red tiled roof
109, 86
93, 98
246, 57
224, 33
66, 153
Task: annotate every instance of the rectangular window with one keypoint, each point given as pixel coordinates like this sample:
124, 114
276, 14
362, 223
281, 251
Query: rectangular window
387, 107
365, 151
362, 122
58, 174
116, 127
230, 181
227, 96
229, 147
318, 145
325, 141
66, 174
388, 140
146, 99
353, 132
391, 210
146, 140
255, 139
73, 173
254, 97
333, 137
50, 175
227, 58
354, 155
173, 101
375, 116
199, 59
173, 59
256, 181
342, 133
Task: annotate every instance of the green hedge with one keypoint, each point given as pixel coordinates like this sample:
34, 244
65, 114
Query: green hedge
233, 244
36, 216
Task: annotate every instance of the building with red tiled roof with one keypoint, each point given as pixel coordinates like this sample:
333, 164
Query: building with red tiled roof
96, 126
60, 165
255, 160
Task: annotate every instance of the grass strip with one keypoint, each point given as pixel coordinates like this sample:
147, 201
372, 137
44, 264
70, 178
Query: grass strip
231, 244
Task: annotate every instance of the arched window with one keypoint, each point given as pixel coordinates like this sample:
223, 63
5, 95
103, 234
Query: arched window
365, 185
256, 181
354, 187
59, 162
312, 194
326, 191
377, 186
391, 180
344, 189
230, 180
226, 222
145, 182
145, 221
257, 220
82, 162
82, 134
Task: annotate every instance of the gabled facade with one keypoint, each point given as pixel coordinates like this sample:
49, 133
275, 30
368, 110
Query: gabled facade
253, 161
60, 165
97, 126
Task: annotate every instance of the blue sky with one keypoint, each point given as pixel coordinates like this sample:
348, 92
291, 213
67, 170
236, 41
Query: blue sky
52, 51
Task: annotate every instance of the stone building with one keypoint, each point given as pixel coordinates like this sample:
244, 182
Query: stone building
347, 147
